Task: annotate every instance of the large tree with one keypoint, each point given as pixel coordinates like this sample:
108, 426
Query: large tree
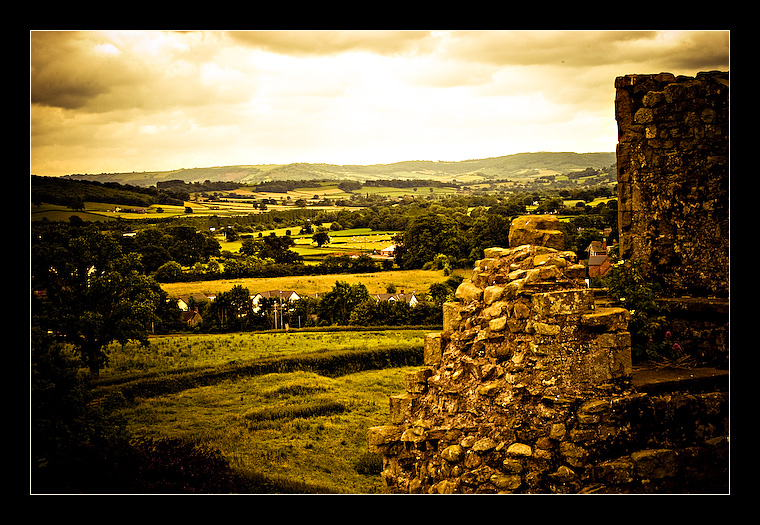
94, 294
271, 247
487, 231
426, 236
335, 306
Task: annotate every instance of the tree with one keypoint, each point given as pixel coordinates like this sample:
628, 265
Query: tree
336, 305
169, 272
232, 309
488, 231
425, 237
271, 247
321, 238
95, 293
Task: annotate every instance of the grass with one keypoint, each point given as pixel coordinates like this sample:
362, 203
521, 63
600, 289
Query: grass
349, 241
302, 427
318, 446
376, 282
203, 350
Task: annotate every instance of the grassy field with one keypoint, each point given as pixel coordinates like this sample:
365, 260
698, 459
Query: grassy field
348, 241
376, 282
297, 426
201, 350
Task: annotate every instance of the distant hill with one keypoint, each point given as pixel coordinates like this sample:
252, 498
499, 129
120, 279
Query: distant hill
509, 167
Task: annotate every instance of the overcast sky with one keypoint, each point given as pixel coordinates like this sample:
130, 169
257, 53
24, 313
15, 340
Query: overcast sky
119, 101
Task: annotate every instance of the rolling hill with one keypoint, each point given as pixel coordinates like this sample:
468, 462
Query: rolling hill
509, 167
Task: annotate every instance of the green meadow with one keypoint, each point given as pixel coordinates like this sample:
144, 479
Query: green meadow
302, 429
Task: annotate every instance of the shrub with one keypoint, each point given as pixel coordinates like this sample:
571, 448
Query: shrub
628, 287
369, 464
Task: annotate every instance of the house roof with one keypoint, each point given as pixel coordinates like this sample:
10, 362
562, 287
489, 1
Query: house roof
197, 297
596, 260
281, 294
405, 297
596, 246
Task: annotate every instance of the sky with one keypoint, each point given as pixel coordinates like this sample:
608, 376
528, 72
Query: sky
149, 100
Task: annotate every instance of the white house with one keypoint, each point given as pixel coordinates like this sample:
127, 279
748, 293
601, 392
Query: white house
281, 296
403, 297
184, 301
388, 251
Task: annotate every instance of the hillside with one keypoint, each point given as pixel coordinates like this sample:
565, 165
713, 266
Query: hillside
509, 167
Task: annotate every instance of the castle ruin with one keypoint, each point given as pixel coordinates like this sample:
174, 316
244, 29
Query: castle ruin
530, 387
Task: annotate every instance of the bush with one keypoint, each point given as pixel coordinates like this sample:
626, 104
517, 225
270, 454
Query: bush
369, 464
305, 410
650, 338
142, 466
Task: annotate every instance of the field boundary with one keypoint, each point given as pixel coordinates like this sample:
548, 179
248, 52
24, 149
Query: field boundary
330, 364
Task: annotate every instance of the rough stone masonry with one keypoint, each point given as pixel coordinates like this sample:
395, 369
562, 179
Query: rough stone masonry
527, 389
673, 179
673, 199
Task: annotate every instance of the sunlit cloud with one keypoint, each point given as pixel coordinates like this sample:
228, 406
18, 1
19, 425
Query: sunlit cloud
109, 101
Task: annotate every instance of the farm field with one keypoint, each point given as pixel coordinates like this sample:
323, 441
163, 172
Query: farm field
299, 426
171, 352
376, 282
98, 211
343, 241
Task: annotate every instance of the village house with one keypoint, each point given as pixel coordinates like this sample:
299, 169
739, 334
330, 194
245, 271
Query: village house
598, 261
281, 296
184, 301
191, 318
403, 297
388, 251
598, 265
597, 248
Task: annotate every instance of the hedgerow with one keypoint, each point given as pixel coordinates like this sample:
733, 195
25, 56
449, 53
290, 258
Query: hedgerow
330, 364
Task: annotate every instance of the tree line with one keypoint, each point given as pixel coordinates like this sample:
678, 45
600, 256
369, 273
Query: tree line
89, 291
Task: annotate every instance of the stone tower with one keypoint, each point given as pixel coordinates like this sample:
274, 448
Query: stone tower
673, 180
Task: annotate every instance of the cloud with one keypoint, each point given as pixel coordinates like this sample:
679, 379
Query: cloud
149, 100
310, 43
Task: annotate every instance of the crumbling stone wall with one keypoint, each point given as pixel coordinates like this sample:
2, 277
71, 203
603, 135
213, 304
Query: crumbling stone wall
528, 390
673, 201
672, 162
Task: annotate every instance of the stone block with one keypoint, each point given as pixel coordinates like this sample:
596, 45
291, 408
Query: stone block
433, 349
383, 435
519, 450
401, 407
495, 252
564, 302
452, 317
492, 294
655, 463
575, 271
498, 324
416, 382
611, 319
467, 292
538, 230
453, 453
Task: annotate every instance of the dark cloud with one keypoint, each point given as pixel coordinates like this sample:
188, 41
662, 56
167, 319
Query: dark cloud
678, 49
67, 71
331, 42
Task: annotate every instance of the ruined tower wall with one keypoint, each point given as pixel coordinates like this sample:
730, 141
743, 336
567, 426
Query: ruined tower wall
528, 389
530, 386
672, 162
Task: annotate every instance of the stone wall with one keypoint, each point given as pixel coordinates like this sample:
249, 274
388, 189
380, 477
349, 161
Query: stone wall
672, 162
528, 389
